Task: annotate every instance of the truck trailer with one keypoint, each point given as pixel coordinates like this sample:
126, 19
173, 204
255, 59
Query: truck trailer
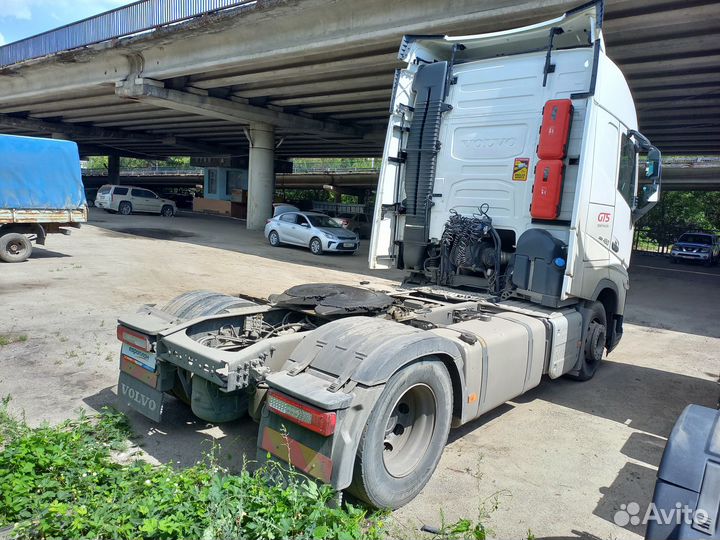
41, 192
508, 191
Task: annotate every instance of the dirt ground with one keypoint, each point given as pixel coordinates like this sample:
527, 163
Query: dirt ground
560, 461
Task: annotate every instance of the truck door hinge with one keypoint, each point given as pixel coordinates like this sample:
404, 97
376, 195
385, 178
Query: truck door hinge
395, 208
400, 158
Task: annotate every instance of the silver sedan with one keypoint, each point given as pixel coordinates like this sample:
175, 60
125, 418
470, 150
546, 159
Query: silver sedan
316, 231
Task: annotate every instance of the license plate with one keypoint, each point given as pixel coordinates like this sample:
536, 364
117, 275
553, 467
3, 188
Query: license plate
140, 397
348, 245
142, 358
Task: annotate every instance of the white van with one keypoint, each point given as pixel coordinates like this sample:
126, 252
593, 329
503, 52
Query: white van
128, 199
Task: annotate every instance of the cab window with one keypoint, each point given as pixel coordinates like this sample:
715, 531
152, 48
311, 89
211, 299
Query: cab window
626, 174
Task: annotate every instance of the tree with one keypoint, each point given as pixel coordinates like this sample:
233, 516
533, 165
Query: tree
679, 211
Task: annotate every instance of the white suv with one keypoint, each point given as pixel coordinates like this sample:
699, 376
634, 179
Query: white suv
128, 199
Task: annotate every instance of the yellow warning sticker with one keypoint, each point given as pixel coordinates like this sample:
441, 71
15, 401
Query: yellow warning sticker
520, 169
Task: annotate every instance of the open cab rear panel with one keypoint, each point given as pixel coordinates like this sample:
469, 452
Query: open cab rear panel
480, 158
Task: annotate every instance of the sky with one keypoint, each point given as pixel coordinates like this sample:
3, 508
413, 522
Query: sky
24, 18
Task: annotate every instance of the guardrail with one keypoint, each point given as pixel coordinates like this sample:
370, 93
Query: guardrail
148, 171
124, 21
194, 171
330, 170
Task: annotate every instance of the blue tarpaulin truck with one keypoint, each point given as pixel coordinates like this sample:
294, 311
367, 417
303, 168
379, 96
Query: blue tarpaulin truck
41, 192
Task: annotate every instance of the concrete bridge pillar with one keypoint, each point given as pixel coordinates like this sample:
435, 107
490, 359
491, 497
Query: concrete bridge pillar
261, 175
113, 169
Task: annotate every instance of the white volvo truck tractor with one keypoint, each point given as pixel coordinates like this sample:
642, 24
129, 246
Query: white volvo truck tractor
508, 191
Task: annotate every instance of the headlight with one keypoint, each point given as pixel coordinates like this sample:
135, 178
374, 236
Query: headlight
704, 250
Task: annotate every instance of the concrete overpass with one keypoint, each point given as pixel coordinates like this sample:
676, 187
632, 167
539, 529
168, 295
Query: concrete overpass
293, 78
678, 175
345, 181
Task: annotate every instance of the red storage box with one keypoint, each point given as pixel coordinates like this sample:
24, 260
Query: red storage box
555, 129
547, 189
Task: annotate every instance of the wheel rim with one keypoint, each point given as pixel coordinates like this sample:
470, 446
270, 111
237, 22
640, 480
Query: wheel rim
315, 246
125, 210
408, 430
596, 341
14, 248
273, 238
167, 211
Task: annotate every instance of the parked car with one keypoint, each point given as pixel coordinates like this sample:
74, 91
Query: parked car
317, 231
90, 194
360, 224
181, 199
281, 208
696, 246
128, 199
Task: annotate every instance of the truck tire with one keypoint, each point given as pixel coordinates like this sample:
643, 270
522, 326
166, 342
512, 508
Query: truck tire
405, 436
202, 304
198, 304
15, 247
125, 208
594, 346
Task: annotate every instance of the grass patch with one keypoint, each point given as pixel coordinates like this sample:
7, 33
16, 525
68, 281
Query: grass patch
7, 339
60, 481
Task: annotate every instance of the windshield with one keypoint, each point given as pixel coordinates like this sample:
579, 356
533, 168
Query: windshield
324, 221
104, 190
696, 239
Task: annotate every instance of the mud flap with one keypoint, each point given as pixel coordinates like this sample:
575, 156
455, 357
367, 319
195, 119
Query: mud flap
140, 397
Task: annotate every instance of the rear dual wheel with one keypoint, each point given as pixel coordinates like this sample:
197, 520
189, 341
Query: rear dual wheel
405, 436
191, 305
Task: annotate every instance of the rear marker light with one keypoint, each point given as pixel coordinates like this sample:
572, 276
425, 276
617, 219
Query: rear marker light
134, 339
322, 422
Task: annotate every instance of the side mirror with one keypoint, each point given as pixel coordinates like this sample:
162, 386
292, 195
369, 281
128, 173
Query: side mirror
653, 165
306, 225
649, 194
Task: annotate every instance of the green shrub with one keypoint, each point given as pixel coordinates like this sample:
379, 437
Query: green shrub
60, 482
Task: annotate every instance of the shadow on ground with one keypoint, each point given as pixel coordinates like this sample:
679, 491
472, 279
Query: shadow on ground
184, 439
42, 253
641, 398
232, 235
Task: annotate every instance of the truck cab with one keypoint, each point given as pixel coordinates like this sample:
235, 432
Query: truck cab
508, 191
532, 135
